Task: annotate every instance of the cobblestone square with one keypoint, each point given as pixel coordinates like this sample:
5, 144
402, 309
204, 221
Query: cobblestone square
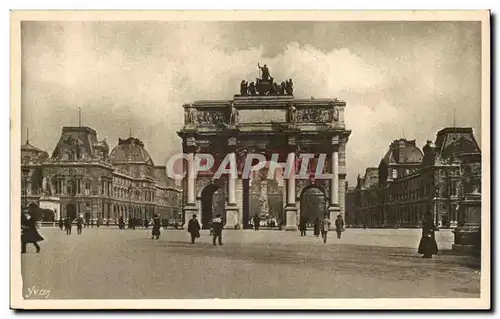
108, 263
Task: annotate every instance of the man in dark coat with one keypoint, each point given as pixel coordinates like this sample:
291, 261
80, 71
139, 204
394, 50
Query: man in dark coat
339, 226
29, 233
317, 224
156, 227
194, 228
79, 225
61, 223
256, 222
217, 226
428, 245
303, 226
68, 225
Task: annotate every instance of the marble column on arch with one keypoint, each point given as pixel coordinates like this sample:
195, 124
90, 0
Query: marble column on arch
334, 208
291, 205
190, 207
232, 207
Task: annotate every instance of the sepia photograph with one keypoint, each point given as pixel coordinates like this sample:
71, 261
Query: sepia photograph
250, 160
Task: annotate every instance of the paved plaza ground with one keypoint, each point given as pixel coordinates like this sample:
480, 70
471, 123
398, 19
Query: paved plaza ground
366, 263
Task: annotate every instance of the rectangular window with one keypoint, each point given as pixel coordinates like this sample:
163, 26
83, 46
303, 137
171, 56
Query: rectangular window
453, 188
87, 188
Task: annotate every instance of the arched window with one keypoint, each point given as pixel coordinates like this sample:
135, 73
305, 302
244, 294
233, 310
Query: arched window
394, 174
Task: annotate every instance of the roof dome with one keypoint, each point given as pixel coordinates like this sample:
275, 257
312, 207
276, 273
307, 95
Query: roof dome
130, 150
31, 154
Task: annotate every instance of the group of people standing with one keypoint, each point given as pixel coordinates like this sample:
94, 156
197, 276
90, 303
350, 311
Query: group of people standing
67, 224
323, 227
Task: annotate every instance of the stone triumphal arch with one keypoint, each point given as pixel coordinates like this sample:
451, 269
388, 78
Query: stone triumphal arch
264, 119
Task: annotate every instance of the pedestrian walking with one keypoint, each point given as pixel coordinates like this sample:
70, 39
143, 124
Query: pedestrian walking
68, 225
121, 223
156, 227
317, 224
217, 226
303, 226
146, 223
325, 227
29, 233
428, 245
339, 226
256, 222
194, 228
61, 223
79, 225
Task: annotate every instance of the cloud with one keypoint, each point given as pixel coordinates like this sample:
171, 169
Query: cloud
137, 76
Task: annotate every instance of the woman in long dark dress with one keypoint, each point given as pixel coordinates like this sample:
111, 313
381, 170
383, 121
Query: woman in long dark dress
428, 245
29, 233
156, 227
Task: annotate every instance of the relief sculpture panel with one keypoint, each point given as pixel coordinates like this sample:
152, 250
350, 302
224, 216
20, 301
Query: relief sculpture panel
314, 115
212, 117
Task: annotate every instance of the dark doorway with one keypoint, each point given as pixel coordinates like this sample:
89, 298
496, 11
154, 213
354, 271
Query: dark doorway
312, 204
212, 202
71, 211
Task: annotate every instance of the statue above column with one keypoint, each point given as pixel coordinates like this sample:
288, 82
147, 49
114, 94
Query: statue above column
265, 85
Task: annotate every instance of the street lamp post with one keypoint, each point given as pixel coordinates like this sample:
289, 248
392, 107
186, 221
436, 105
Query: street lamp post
25, 172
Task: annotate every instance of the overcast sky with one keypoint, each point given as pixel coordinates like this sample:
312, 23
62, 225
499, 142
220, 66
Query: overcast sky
399, 79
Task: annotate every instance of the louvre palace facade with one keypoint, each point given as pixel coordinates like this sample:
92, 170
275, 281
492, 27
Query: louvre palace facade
410, 182
83, 177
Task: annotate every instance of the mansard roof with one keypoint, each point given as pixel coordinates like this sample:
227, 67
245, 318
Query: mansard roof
403, 151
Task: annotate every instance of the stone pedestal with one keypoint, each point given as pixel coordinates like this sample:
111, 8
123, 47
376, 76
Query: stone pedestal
232, 217
53, 203
468, 236
291, 218
333, 212
189, 210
